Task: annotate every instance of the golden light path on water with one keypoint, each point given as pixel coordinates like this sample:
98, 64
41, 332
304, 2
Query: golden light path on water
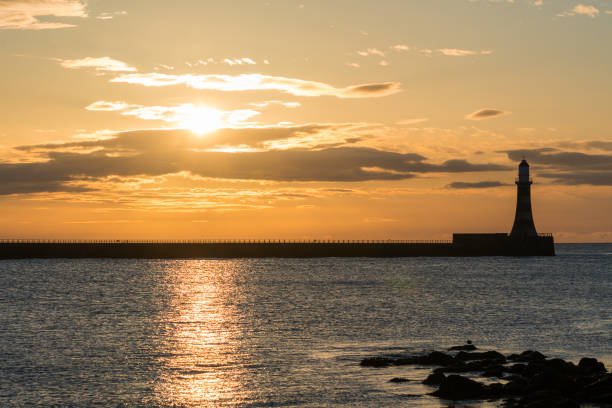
202, 367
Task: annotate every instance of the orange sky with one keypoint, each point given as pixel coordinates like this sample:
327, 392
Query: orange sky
303, 119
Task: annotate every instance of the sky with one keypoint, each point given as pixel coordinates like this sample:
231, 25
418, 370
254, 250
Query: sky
305, 119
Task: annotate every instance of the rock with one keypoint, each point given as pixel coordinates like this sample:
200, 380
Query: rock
399, 380
527, 356
438, 358
590, 366
510, 403
456, 367
537, 381
516, 386
376, 362
494, 371
599, 391
486, 355
547, 399
433, 358
495, 390
550, 380
455, 387
434, 379
555, 366
520, 369
466, 347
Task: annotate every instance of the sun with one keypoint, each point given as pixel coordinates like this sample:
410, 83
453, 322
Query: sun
200, 119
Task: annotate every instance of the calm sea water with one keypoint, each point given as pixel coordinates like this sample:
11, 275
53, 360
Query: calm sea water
272, 332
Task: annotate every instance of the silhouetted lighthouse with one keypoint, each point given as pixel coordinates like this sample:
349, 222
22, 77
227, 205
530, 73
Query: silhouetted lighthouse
523, 220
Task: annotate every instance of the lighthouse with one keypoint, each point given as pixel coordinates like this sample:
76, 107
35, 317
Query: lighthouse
523, 240
523, 220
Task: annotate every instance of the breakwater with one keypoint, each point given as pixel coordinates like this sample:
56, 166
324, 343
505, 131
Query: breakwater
461, 245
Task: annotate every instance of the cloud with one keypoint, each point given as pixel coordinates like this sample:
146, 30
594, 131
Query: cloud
580, 178
412, 121
99, 64
455, 52
371, 51
480, 184
156, 153
238, 61
486, 113
367, 90
568, 167
581, 9
586, 10
600, 144
260, 82
186, 115
563, 159
400, 47
191, 116
604, 145
225, 61
110, 16
107, 106
23, 14
266, 104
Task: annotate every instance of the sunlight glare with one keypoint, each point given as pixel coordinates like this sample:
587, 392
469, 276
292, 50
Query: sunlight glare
200, 119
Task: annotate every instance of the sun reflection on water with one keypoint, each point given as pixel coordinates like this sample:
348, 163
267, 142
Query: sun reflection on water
201, 354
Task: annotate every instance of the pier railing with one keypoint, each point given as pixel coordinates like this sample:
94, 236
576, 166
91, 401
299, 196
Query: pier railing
218, 241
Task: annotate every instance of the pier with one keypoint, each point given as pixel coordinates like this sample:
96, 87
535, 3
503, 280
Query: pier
461, 245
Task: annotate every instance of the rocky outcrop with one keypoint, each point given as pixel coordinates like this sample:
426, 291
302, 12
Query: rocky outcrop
531, 379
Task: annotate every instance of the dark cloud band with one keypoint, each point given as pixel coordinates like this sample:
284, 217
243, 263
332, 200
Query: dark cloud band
160, 152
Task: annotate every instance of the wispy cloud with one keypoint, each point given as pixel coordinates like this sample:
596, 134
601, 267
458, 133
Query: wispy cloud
110, 15
412, 121
371, 51
478, 184
486, 113
107, 106
266, 104
260, 82
99, 64
239, 61
581, 9
23, 14
190, 116
224, 61
456, 52
185, 115
400, 47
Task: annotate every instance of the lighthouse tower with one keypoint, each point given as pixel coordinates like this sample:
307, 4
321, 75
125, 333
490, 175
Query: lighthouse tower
523, 220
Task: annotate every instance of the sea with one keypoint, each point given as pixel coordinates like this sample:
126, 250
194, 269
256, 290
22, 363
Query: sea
283, 332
